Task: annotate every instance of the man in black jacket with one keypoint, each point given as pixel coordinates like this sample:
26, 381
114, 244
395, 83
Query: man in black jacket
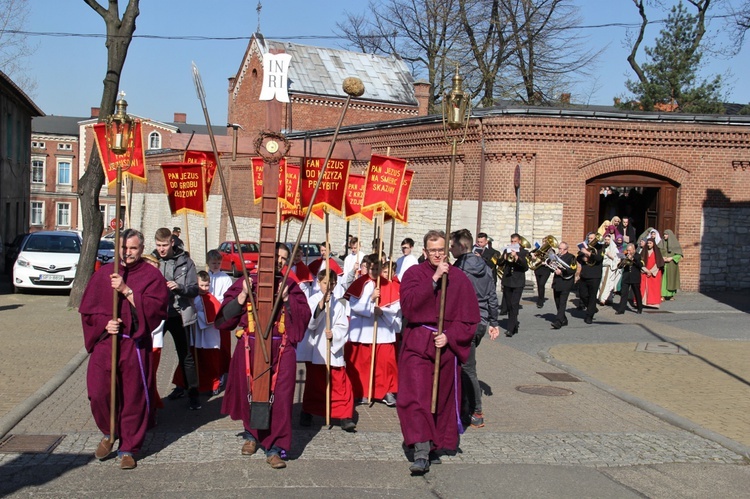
480, 276
631, 279
515, 265
562, 283
489, 254
590, 258
629, 234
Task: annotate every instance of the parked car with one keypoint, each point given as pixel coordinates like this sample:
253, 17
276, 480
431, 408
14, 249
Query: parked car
11, 251
106, 250
230, 257
311, 251
47, 260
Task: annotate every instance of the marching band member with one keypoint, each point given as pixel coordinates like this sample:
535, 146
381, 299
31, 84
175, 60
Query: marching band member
514, 279
562, 283
590, 259
631, 267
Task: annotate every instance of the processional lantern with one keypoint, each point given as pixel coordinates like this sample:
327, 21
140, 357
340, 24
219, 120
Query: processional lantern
456, 105
119, 127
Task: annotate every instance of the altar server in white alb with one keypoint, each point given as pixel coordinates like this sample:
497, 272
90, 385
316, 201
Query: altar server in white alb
368, 302
313, 351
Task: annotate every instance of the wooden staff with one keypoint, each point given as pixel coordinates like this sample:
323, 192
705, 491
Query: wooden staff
327, 295
115, 311
444, 278
371, 385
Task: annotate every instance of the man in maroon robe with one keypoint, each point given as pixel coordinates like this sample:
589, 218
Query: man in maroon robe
289, 328
420, 304
143, 298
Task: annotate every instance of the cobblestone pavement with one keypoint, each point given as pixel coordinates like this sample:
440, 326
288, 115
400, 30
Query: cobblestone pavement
589, 429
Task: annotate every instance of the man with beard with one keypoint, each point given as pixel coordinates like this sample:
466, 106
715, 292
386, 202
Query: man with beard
142, 305
420, 302
289, 327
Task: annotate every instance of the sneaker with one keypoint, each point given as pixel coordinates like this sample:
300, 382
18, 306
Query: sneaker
348, 424
477, 420
195, 404
390, 399
305, 419
178, 392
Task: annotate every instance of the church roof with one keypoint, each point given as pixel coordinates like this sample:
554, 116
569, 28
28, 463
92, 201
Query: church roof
321, 71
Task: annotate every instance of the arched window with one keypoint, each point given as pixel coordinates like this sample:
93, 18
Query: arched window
154, 140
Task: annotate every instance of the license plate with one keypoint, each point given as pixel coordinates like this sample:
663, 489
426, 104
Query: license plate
44, 277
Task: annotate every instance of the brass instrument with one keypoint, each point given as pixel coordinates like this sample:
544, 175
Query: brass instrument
506, 255
537, 257
592, 247
625, 263
554, 262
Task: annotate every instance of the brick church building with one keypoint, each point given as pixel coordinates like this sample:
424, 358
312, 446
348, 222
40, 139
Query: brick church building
536, 171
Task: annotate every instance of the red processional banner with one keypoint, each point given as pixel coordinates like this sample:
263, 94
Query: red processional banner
289, 205
332, 189
402, 208
185, 185
133, 162
257, 164
355, 194
208, 161
384, 178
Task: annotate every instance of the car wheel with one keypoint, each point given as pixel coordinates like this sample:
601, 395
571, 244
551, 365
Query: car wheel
234, 271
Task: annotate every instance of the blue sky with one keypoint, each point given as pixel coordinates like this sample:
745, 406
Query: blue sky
157, 75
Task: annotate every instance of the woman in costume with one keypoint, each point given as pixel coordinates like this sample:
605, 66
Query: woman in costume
653, 263
672, 252
611, 275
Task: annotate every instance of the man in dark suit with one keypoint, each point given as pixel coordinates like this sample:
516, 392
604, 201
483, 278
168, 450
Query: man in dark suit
515, 266
590, 259
562, 283
489, 254
631, 279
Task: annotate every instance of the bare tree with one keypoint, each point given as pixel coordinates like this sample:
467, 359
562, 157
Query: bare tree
739, 23
487, 45
421, 32
119, 35
548, 51
14, 44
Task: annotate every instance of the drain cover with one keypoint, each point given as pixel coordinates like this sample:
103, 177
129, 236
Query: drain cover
560, 377
546, 390
33, 444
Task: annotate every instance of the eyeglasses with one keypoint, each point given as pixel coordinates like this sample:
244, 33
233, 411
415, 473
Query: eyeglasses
435, 251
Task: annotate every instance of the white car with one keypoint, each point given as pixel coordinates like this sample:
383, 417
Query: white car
47, 260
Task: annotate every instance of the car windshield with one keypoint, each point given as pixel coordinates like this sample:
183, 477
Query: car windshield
52, 243
106, 244
249, 248
312, 251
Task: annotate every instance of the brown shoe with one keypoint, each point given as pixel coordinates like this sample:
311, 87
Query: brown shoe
249, 447
127, 462
276, 462
104, 448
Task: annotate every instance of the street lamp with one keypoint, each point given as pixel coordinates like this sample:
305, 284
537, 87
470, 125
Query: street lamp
456, 111
119, 127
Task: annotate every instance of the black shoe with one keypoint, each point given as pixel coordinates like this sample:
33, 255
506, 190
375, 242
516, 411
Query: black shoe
435, 457
420, 467
639, 311
346, 425
515, 330
195, 404
564, 322
178, 392
540, 304
588, 320
619, 312
556, 325
503, 312
305, 419
580, 307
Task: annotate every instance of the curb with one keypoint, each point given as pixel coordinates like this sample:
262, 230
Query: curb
12, 418
654, 409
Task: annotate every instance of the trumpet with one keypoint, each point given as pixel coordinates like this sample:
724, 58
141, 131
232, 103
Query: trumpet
625, 263
592, 247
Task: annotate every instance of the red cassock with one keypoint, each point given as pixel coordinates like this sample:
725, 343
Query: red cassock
318, 263
358, 355
420, 304
134, 367
342, 396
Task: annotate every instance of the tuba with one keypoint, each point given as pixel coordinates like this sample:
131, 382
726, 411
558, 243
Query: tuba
536, 258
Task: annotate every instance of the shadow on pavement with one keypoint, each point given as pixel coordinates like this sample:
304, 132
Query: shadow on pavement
30, 470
